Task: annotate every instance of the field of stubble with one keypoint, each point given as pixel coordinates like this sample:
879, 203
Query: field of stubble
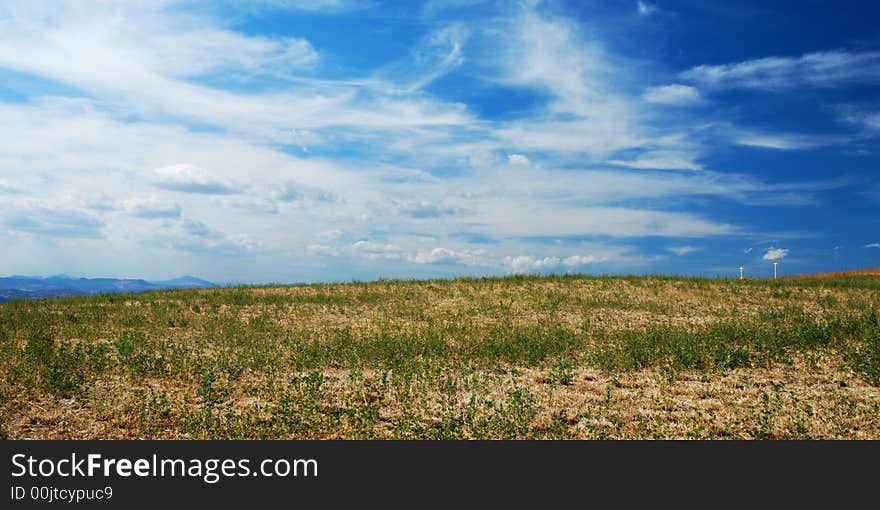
521, 357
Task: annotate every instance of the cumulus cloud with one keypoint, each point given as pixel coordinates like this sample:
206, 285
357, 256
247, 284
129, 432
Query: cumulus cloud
775, 253
527, 263
191, 179
467, 257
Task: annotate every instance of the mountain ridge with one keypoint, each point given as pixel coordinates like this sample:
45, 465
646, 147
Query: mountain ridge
35, 287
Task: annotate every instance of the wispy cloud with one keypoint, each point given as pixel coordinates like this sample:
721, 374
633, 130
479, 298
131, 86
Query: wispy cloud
313, 5
644, 8
780, 140
820, 69
435, 56
158, 58
675, 94
683, 250
660, 160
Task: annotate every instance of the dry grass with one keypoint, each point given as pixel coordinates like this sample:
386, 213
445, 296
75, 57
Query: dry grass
522, 357
875, 271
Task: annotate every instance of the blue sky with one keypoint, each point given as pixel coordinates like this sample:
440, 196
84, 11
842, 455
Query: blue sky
316, 140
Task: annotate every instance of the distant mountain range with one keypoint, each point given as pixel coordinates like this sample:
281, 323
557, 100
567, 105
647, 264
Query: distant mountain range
27, 287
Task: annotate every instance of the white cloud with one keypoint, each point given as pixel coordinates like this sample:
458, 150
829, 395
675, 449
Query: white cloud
872, 245
312, 5
95, 155
527, 263
46, 218
423, 209
868, 119
583, 260
660, 160
191, 179
675, 94
436, 55
151, 208
554, 56
820, 69
683, 250
374, 250
644, 8
144, 58
561, 220
198, 237
332, 234
159, 103
748, 250
594, 136
323, 249
872, 120
467, 257
775, 253
517, 159
783, 141
9, 188
433, 7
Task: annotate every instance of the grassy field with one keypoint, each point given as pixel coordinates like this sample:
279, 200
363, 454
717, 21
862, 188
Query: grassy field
518, 357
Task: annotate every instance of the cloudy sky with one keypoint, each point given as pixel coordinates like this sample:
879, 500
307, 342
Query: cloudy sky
314, 140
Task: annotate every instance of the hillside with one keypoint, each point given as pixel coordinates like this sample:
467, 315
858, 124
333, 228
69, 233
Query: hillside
842, 274
518, 357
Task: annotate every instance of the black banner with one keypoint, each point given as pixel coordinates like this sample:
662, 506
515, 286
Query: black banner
331, 474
